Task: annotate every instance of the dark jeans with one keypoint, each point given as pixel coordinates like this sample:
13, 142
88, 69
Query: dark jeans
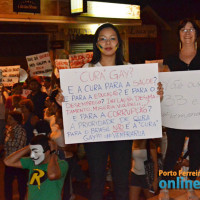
22, 178
120, 156
68, 184
176, 139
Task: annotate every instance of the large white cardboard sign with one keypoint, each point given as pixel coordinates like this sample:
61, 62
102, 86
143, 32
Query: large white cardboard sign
181, 102
39, 64
10, 75
111, 103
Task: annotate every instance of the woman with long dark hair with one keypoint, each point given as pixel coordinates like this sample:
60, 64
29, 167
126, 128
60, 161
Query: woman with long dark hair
107, 51
101, 50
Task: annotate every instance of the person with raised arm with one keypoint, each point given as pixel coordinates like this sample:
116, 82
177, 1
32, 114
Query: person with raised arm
46, 171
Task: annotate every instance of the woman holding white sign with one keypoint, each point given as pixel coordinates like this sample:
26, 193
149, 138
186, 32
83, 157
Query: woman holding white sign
107, 51
188, 58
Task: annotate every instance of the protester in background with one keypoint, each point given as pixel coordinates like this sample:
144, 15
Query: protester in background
69, 151
42, 127
58, 135
57, 87
49, 113
188, 58
107, 51
15, 102
25, 84
29, 118
15, 139
3, 97
37, 97
16, 89
57, 93
53, 109
46, 171
47, 86
138, 183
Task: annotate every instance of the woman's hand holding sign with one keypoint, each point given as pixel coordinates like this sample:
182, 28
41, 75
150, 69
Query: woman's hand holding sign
160, 90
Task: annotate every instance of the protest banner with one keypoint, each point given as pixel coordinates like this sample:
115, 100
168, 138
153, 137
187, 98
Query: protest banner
60, 64
111, 103
39, 64
10, 75
78, 60
181, 102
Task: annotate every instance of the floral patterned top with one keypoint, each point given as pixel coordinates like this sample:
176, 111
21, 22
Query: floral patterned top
15, 139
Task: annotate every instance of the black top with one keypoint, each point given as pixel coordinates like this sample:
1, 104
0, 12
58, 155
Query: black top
38, 100
175, 64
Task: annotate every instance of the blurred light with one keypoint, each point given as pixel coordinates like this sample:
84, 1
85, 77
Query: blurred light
112, 10
76, 6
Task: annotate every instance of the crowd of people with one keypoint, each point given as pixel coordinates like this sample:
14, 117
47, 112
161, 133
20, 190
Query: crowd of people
32, 136
34, 124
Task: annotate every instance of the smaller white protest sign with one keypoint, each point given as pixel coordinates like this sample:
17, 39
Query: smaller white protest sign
181, 102
39, 64
78, 60
10, 75
111, 103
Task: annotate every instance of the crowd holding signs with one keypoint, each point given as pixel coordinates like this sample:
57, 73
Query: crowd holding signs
40, 65
116, 103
